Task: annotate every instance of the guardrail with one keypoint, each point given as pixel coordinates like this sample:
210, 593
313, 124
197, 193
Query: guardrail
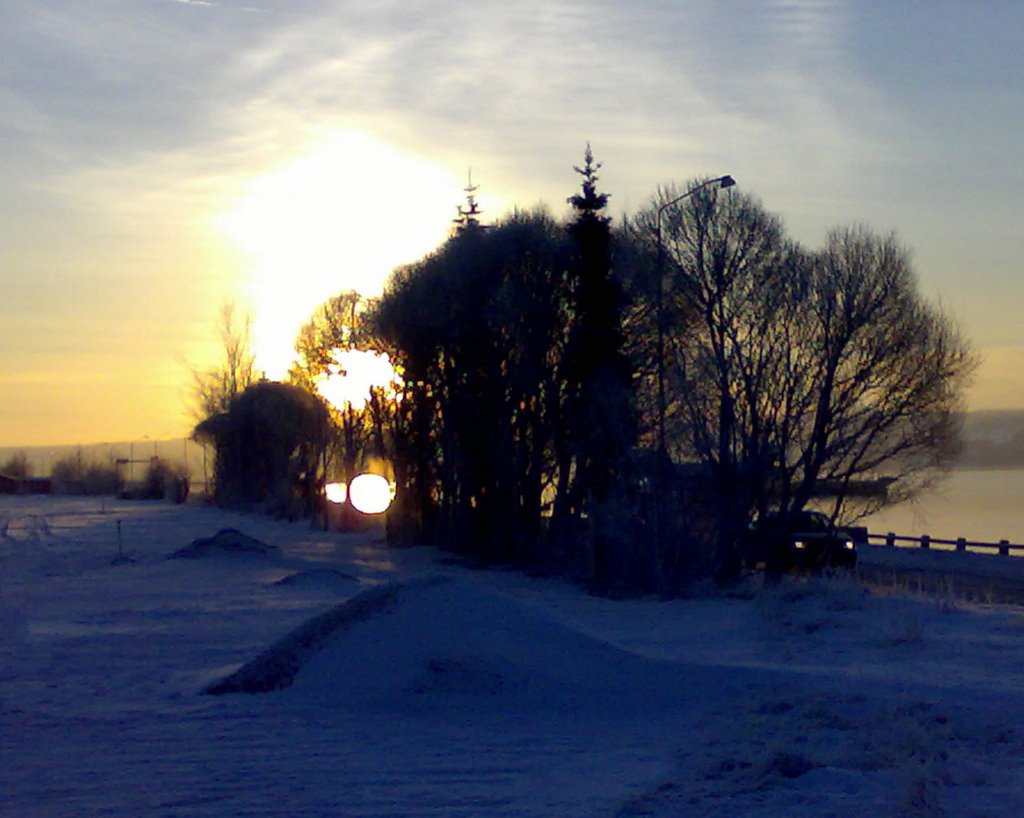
1003, 547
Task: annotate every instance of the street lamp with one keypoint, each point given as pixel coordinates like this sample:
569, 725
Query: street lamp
663, 461
722, 182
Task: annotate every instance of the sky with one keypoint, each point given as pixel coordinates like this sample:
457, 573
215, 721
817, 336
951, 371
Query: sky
162, 157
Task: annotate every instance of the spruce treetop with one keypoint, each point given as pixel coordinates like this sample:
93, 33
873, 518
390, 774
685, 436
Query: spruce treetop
590, 203
469, 214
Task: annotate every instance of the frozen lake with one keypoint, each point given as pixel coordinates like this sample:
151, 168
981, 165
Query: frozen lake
985, 505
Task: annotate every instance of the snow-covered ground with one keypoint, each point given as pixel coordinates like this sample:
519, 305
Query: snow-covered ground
451, 692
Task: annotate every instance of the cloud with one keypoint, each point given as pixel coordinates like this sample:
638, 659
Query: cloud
672, 89
126, 125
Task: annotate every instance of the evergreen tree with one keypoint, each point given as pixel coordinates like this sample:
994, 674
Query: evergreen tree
468, 217
598, 423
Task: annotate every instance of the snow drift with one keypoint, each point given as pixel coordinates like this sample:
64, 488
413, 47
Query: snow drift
225, 541
433, 638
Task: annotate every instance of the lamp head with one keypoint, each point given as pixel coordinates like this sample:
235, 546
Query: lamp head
726, 181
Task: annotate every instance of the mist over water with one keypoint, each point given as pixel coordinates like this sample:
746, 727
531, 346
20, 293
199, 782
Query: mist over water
985, 505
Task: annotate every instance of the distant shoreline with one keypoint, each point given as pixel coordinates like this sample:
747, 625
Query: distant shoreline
993, 441
979, 455
178, 450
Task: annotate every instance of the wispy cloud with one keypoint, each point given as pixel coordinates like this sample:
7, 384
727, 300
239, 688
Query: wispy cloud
123, 126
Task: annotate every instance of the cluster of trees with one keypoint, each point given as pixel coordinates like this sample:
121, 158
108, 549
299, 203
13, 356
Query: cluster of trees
72, 474
337, 340
795, 374
554, 376
75, 474
515, 424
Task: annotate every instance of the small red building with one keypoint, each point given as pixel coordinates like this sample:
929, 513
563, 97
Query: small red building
25, 485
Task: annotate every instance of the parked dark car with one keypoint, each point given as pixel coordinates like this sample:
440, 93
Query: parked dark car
804, 542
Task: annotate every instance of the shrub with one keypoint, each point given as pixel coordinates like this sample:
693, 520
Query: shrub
16, 466
162, 481
270, 448
100, 479
72, 475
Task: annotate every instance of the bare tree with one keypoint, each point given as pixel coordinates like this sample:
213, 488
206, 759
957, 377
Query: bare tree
889, 375
715, 298
214, 388
338, 323
361, 430
791, 371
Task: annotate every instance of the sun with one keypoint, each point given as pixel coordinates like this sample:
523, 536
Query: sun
342, 215
371, 493
355, 372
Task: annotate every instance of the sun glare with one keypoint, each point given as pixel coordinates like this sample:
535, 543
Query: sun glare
340, 216
336, 492
371, 493
354, 373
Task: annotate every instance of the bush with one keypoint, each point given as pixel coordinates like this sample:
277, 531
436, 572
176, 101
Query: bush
162, 481
16, 466
99, 479
270, 448
72, 475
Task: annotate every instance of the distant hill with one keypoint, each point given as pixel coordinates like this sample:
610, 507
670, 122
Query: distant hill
994, 438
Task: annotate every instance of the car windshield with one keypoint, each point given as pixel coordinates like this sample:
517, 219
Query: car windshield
809, 520
813, 519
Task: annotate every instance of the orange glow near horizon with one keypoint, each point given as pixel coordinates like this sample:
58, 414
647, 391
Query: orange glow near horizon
998, 383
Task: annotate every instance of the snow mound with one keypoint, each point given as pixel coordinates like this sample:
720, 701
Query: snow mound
316, 579
276, 667
430, 640
225, 541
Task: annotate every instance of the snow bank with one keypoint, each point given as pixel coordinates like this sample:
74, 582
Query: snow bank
430, 639
444, 691
317, 579
225, 541
276, 667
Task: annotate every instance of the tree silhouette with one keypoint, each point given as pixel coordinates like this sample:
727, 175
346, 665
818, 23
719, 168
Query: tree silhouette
597, 428
529, 353
213, 389
789, 369
270, 446
468, 215
338, 323
477, 330
359, 431
16, 466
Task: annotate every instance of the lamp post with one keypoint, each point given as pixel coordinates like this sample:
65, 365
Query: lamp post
722, 182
